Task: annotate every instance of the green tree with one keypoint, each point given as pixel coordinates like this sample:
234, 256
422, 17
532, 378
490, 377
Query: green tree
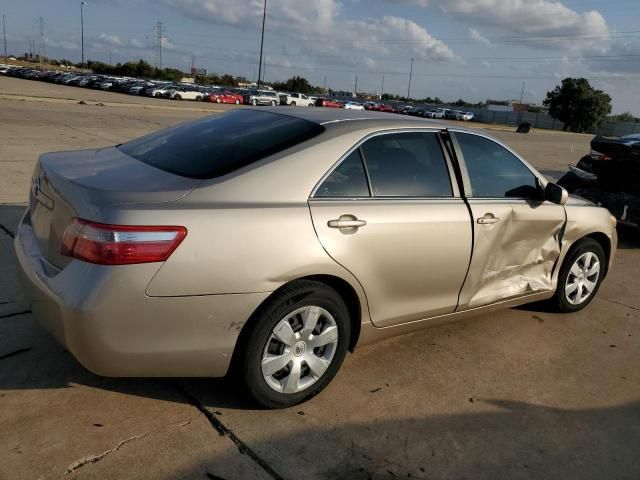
624, 117
296, 84
578, 105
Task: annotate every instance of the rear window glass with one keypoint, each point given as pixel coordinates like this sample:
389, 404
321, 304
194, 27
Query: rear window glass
215, 146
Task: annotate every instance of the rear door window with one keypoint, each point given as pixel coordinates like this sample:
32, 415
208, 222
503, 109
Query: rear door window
407, 165
348, 180
218, 145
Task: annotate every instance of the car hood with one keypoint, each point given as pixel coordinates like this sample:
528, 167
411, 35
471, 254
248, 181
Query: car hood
577, 201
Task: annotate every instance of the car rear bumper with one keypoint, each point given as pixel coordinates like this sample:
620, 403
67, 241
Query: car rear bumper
102, 316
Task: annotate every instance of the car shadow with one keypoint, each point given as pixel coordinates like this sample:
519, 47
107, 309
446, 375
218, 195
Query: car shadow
510, 439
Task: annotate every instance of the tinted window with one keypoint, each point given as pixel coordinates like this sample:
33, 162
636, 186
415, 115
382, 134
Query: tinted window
347, 180
215, 146
406, 165
494, 171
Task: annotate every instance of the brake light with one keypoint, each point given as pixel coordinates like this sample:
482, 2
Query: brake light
119, 244
595, 155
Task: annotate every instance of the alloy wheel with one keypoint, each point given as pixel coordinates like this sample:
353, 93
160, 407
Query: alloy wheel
299, 349
582, 278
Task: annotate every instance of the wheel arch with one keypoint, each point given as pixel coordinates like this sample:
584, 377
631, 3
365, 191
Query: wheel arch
605, 243
340, 285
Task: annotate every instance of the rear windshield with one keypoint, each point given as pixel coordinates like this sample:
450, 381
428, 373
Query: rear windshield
215, 146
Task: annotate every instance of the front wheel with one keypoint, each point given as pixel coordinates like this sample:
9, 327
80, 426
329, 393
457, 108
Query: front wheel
580, 276
293, 104
237, 102
254, 102
177, 97
295, 345
273, 103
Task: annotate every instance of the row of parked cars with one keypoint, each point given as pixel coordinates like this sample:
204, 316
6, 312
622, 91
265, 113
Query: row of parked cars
216, 94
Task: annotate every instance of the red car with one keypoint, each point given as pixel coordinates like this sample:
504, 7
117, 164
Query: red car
386, 108
226, 97
329, 102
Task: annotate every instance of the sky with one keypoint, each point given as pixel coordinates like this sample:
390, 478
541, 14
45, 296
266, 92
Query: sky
470, 49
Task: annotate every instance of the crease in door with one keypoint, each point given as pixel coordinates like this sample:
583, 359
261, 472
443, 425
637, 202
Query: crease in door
519, 266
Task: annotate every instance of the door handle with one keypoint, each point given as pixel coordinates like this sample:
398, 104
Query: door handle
346, 221
488, 219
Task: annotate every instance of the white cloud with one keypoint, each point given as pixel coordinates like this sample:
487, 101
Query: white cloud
478, 37
316, 28
531, 19
113, 40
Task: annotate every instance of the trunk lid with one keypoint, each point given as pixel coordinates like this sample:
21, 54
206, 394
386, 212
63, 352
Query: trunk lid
82, 183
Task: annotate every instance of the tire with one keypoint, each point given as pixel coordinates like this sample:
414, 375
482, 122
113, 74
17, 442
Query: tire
580, 251
254, 102
293, 104
288, 306
237, 102
177, 97
273, 103
218, 100
198, 99
158, 95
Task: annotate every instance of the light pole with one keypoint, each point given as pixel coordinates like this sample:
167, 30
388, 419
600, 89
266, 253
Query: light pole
82, 4
4, 34
410, 75
264, 16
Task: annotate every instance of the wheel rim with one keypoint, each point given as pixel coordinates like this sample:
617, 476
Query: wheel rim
299, 350
582, 279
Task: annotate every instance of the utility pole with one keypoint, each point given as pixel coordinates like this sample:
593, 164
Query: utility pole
42, 48
4, 34
324, 89
522, 94
159, 46
264, 16
110, 57
382, 88
193, 66
355, 89
410, 75
82, 4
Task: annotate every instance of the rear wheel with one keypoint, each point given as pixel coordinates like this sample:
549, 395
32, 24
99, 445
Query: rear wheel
293, 104
218, 100
177, 97
254, 102
296, 345
580, 276
237, 102
273, 103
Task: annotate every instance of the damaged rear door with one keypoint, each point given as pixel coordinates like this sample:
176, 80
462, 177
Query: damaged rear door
516, 233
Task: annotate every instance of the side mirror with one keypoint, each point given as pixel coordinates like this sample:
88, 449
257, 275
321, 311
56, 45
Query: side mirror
556, 194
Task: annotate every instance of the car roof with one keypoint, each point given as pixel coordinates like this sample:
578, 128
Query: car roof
351, 120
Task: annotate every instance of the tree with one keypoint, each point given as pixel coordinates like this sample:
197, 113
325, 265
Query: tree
624, 117
578, 105
296, 84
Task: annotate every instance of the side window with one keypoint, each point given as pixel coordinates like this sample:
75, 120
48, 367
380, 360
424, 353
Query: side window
347, 180
494, 171
407, 165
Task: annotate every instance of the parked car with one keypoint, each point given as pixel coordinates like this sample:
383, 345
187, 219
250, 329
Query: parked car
262, 97
297, 99
123, 252
610, 176
353, 106
225, 97
183, 93
386, 108
329, 102
466, 116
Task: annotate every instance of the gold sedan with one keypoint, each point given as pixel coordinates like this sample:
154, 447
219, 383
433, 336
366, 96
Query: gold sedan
275, 240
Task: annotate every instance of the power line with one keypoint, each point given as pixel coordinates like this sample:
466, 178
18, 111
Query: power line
264, 17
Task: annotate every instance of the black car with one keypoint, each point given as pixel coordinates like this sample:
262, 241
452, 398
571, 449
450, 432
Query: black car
610, 176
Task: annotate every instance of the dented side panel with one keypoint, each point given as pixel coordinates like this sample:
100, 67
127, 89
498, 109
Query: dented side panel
514, 256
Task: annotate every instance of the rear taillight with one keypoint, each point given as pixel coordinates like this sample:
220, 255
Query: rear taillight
595, 155
119, 244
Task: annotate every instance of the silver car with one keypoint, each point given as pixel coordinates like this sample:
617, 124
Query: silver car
276, 240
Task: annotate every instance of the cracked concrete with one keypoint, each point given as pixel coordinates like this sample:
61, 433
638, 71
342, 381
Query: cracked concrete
522, 394
96, 458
